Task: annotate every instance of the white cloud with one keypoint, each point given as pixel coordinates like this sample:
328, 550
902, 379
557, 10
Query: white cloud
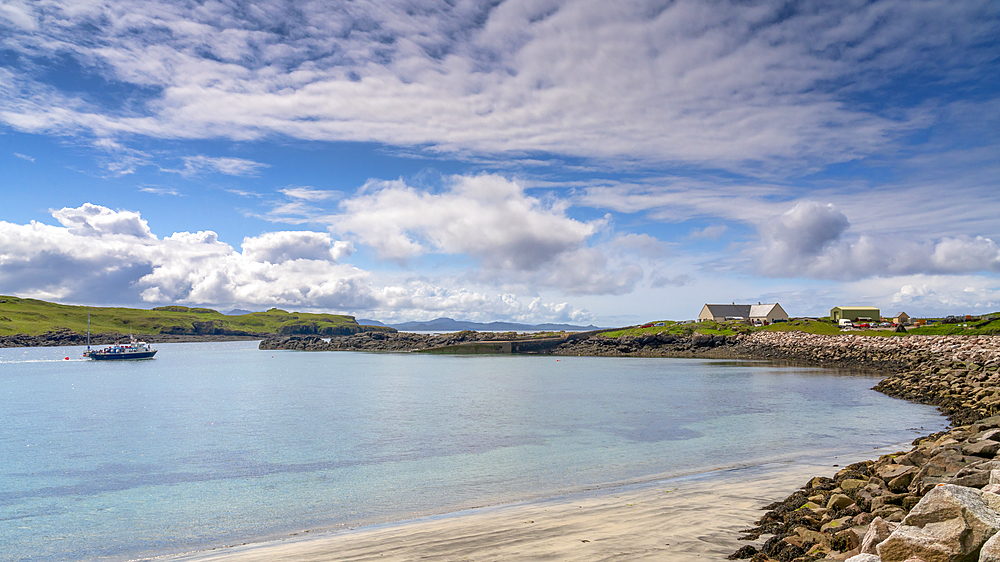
24, 157
810, 240
95, 220
279, 247
713, 232
155, 190
721, 83
310, 194
194, 165
99, 255
488, 217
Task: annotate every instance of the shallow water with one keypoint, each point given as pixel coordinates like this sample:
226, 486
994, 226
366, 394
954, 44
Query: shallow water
212, 444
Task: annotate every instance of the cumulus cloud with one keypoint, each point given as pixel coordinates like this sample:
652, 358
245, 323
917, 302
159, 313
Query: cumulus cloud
101, 255
279, 247
95, 220
811, 240
488, 217
720, 83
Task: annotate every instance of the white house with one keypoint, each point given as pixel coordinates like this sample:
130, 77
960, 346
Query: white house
767, 313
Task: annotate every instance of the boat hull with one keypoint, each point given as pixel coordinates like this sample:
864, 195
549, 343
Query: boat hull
98, 356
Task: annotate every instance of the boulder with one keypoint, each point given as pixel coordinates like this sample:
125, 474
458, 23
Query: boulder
878, 531
949, 524
863, 557
839, 501
986, 448
991, 550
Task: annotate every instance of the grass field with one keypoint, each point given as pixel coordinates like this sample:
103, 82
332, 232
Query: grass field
33, 317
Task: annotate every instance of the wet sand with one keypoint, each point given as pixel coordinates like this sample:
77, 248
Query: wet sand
689, 518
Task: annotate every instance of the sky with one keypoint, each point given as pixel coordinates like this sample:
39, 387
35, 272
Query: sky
534, 161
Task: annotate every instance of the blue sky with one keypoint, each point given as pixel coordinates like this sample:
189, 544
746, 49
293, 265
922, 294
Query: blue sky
534, 161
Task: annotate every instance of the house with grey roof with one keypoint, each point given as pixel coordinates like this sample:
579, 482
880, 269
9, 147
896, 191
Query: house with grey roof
721, 312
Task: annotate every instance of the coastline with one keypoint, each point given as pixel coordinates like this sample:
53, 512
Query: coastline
828, 517
691, 517
960, 375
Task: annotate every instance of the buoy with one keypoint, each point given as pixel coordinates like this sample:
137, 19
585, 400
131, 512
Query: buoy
67, 358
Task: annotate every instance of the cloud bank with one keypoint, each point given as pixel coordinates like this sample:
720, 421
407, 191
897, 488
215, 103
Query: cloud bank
812, 240
718, 83
100, 255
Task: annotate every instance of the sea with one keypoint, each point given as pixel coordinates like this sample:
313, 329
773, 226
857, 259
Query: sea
213, 444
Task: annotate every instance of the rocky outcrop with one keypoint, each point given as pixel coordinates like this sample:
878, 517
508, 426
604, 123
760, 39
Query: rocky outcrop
933, 502
59, 338
659, 344
381, 341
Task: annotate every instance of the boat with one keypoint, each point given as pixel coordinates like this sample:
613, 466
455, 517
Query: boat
119, 351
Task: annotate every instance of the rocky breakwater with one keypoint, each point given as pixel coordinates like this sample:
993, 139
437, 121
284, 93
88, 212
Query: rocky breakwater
380, 341
935, 502
659, 344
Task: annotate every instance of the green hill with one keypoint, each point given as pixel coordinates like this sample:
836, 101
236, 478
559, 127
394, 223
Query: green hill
33, 317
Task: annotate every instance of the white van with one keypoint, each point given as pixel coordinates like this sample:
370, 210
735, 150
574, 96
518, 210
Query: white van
846, 323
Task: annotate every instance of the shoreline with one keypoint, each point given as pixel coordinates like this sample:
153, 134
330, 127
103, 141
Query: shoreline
825, 518
686, 517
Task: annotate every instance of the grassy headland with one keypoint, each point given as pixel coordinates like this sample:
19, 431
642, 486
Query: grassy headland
34, 317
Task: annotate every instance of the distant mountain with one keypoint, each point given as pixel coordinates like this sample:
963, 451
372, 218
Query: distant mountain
450, 325
237, 312
367, 322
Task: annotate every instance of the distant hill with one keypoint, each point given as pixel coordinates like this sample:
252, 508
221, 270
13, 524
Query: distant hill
369, 322
33, 317
450, 325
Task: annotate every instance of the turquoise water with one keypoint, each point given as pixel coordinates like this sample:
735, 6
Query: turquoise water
213, 444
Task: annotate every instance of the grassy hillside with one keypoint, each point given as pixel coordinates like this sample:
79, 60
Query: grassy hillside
33, 317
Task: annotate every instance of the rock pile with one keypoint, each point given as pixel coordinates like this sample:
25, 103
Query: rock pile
381, 341
935, 502
964, 391
869, 352
659, 344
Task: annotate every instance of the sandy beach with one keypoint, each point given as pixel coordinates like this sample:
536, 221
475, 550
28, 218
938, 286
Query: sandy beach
688, 518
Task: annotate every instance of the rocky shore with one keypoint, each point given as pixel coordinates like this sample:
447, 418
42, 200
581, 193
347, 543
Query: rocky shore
69, 337
936, 502
382, 341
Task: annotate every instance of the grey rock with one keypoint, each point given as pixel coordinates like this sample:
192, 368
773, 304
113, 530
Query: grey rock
991, 550
839, 501
878, 531
986, 448
949, 524
864, 557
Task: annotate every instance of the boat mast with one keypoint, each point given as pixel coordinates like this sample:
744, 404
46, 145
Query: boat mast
88, 330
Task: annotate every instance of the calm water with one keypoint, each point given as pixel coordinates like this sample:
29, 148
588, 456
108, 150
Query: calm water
213, 444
